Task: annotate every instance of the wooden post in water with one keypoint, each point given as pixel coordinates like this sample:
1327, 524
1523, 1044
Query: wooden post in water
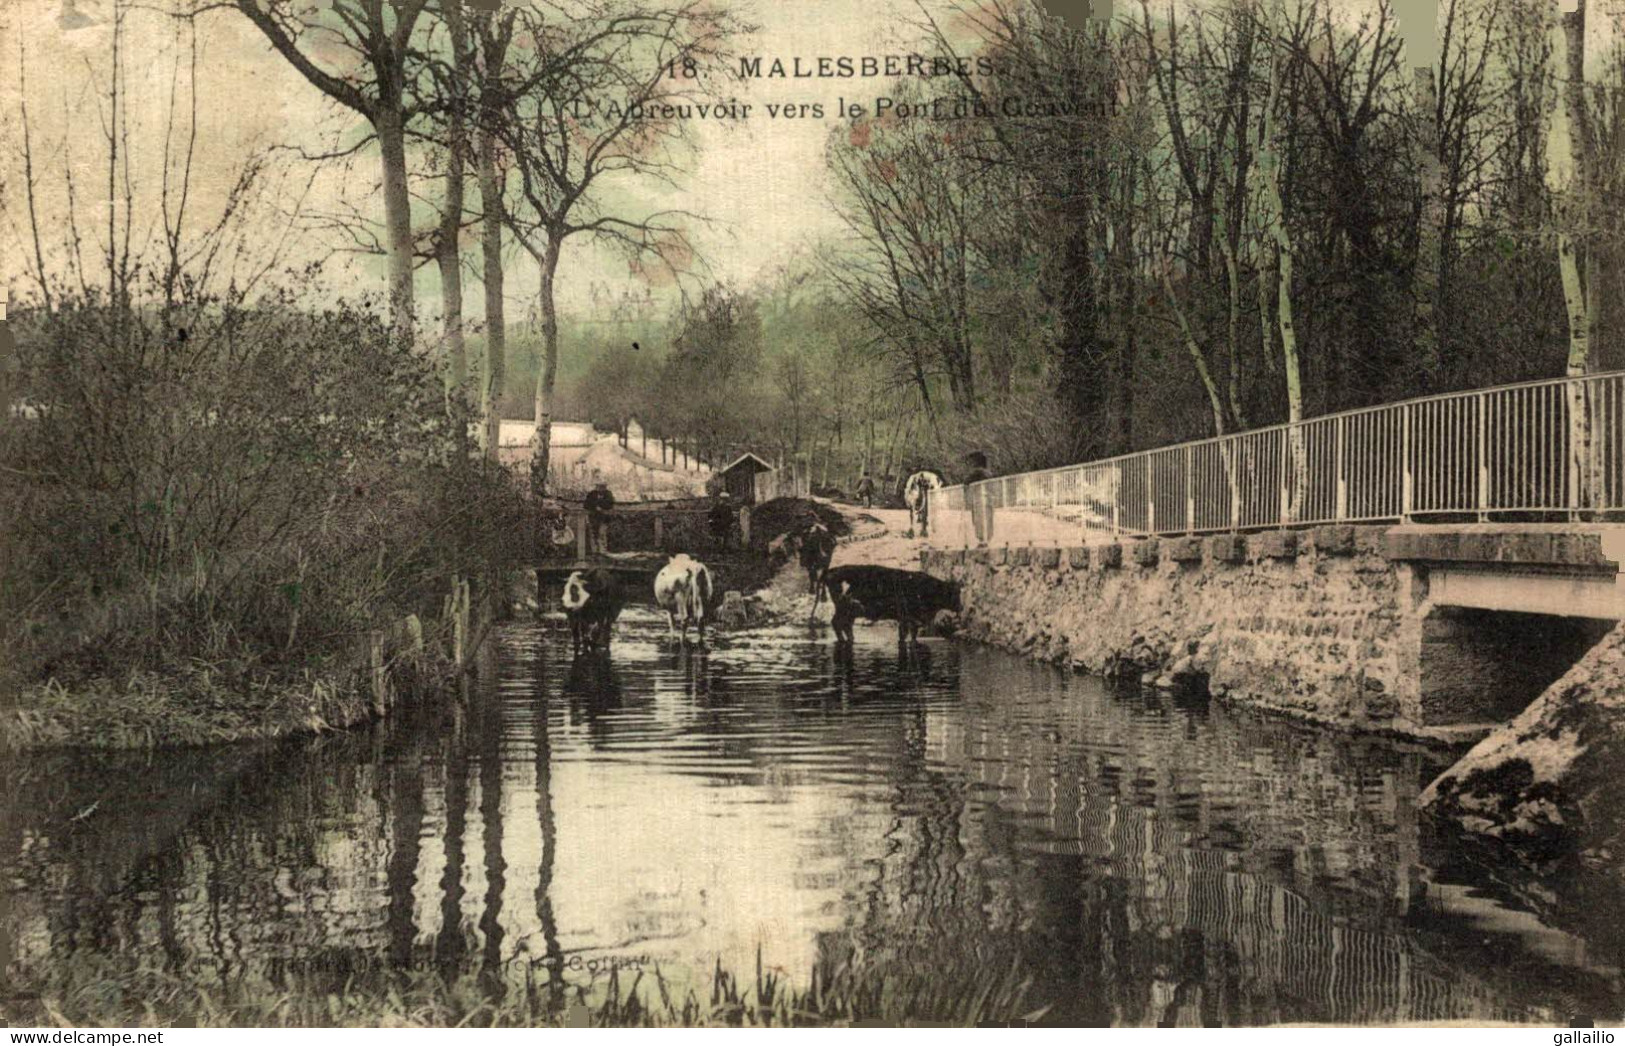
380, 678
459, 621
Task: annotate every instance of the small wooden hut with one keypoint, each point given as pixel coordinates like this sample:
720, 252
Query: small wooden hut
739, 477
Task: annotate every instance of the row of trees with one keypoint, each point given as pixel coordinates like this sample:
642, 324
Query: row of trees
1185, 221
1197, 218
784, 368
495, 129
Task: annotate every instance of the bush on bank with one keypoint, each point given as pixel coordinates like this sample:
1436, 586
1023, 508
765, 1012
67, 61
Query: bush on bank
210, 506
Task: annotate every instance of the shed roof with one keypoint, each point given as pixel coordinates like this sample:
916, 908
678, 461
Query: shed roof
761, 466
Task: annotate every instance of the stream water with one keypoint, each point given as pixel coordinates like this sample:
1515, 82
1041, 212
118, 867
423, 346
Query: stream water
956, 814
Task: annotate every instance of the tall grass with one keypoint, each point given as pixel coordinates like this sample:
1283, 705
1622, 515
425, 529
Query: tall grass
117, 992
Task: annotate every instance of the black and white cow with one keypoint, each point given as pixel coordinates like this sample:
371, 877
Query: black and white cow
817, 549
592, 602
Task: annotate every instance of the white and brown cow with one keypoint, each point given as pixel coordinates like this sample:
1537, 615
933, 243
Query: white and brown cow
683, 591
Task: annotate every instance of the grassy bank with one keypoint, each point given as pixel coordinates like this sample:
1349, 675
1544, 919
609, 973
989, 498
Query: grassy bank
102, 992
230, 519
202, 704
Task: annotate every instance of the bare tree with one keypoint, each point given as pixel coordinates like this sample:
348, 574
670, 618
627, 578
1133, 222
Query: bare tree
378, 82
592, 103
495, 33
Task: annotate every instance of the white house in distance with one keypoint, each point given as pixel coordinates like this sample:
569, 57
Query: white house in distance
580, 456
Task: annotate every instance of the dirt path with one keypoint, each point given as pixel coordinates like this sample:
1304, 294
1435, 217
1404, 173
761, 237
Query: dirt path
878, 538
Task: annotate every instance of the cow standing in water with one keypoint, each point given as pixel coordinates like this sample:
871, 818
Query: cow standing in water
683, 591
592, 602
877, 593
917, 492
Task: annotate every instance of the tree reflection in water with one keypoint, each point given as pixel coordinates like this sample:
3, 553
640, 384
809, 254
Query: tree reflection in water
946, 818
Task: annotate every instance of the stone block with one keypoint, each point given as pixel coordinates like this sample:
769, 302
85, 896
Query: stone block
1019, 557
1183, 550
1147, 551
1480, 548
1399, 545
1078, 557
1226, 548
1578, 550
1108, 557
1275, 544
1527, 547
1047, 558
1334, 540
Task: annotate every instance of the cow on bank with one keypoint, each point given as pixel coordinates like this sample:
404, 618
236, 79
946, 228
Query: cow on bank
817, 549
593, 600
683, 591
886, 594
917, 491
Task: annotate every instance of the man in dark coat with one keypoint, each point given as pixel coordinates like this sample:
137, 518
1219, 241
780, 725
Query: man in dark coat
722, 519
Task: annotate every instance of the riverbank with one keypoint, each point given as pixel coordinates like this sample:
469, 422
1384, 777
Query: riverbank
863, 536
1313, 626
194, 703
134, 993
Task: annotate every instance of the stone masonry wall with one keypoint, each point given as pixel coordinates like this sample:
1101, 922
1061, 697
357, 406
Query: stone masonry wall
1308, 622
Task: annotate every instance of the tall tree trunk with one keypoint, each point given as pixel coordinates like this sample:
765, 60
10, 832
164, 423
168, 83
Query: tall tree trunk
1430, 241
448, 253
548, 261
1232, 270
451, 294
496, 329
1274, 221
1211, 387
397, 218
1574, 250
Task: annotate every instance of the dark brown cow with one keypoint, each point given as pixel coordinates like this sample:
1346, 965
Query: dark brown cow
817, 548
875, 593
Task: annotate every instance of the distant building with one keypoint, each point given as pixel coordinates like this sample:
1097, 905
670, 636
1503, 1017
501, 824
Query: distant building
570, 441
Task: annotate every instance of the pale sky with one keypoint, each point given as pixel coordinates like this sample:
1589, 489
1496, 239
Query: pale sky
762, 180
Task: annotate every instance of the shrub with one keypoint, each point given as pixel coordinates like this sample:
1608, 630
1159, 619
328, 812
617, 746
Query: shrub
251, 485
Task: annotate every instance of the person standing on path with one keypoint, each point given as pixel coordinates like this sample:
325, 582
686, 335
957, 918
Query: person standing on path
722, 519
866, 490
599, 504
981, 512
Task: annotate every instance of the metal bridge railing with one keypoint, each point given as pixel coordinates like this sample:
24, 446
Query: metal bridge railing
1541, 447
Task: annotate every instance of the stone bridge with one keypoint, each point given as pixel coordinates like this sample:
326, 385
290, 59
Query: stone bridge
1441, 631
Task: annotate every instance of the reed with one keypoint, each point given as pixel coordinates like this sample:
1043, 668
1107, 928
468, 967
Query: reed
107, 991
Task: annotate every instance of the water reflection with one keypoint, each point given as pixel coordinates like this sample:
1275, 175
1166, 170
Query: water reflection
951, 814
